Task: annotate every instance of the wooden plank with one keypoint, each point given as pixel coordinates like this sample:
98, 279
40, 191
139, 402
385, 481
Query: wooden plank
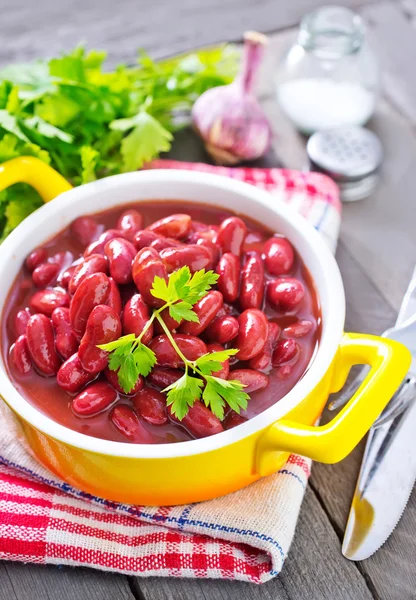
393, 37
27, 582
159, 26
314, 570
391, 570
380, 231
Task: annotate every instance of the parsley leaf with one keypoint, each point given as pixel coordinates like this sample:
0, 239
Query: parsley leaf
130, 359
145, 359
211, 363
219, 392
183, 394
183, 311
199, 285
120, 342
183, 291
160, 289
89, 160
147, 140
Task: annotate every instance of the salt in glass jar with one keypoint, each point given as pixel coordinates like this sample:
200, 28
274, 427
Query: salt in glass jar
330, 77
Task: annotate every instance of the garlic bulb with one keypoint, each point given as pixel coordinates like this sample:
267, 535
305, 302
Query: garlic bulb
229, 118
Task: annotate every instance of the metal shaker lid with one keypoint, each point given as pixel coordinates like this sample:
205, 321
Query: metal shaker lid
350, 155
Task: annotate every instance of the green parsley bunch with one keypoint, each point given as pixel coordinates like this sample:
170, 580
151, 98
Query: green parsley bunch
88, 123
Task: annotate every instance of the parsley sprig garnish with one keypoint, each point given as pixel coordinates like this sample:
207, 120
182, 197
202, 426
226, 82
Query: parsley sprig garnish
131, 358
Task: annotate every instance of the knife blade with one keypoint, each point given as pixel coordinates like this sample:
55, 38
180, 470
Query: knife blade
388, 470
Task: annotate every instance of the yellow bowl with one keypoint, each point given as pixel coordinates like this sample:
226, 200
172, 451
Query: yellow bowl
207, 468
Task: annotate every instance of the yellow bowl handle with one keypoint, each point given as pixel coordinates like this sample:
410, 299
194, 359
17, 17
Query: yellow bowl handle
27, 169
330, 443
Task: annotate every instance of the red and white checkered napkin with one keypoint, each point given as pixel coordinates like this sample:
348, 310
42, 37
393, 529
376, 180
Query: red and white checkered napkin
244, 536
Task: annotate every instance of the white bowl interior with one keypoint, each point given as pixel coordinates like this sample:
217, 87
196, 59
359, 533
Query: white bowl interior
180, 185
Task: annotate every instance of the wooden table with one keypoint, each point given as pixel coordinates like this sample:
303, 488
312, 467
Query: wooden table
376, 254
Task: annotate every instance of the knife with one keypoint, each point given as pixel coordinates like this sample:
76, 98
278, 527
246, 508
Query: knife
388, 470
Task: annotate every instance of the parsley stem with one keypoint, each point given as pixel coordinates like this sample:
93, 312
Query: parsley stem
187, 363
172, 341
153, 316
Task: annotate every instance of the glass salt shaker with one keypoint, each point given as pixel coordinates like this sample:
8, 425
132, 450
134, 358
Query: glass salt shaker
330, 77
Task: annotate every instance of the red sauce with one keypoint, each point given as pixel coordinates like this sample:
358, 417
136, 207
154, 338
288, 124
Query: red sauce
45, 394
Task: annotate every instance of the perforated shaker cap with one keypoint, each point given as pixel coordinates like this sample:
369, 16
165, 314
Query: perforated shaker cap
351, 156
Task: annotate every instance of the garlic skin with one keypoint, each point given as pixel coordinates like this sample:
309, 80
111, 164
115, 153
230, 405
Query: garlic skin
229, 118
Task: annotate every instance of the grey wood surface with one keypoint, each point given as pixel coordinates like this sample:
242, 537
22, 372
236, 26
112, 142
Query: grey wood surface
376, 253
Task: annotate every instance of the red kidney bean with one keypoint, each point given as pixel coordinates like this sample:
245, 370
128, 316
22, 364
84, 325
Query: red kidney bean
299, 329
112, 378
285, 293
45, 301
103, 326
98, 246
94, 399
208, 235
114, 297
144, 238
135, 316
252, 282
222, 329
63, 259
233, 419
151, 406
285, 351
254, 242
41, 344
45, 274
195, 257
225, 368
130, 221
21, 356
120, 254
85, 229
96, 263
36, 258
231, 234
197, 226
190, 346
199, 421
213, 249
65, 277
175, 226
227, 309
253, 380
162, 378
72, 376
262, 361
206, 310
127, 423
65, 338
278, 255
146, 265
252, 333
170, 323
145, 255
21, 320
91, 292
228, 269
161, 243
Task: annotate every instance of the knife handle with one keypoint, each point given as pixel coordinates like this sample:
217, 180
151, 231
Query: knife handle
330, 443
27, 169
